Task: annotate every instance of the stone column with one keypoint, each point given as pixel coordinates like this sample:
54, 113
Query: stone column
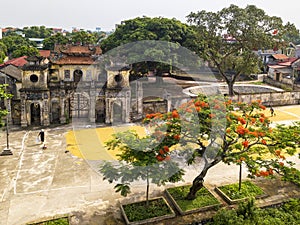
62, 98
92, 110
127, 106
108, 110
46, 120
23, 110
46, 107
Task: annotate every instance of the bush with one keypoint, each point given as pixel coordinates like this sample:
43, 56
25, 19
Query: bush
248, 189
248, 214
139, 211
204, 198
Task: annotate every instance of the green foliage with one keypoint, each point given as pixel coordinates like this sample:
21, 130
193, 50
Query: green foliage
140, 159
204, 198
291, 174
59, 221
25, 50
83, 38
250, 29
140, 211
3, 51
37, 32
58, 38
159, 29
248, 214
15, 42
3, 96
215, 129
248, 189
145, 28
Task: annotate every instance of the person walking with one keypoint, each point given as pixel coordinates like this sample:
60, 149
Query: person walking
42, 137
272, 111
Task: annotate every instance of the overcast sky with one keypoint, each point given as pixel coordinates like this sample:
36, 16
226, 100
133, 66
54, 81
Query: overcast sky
89, 14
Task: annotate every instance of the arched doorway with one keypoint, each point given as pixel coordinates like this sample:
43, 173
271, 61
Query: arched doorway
77, 75
55, 109
79, 106
100, 111
117, 113
35, 115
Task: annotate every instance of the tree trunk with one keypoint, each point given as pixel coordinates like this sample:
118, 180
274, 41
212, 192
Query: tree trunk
147, 191
197, 185
240, 178
230, 88
198, 181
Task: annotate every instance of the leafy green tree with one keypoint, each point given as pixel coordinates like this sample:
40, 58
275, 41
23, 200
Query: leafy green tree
228, 37
25, 50
215, 131
3, 51
37, 32
14, 42
292, 34
83, 37
58, 38
145, 28
140, 158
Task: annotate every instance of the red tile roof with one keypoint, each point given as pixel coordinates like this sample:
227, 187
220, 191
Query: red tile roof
21, 61
45, 53
280, 56
78, 49
74, 60
276, 66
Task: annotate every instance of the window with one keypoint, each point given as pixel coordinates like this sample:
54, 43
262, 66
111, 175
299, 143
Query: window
67, 74
118, 78
34, 78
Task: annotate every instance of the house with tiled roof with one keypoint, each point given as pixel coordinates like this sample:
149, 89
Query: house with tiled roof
280, 68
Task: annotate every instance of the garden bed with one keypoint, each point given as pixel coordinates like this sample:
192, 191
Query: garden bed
204, 201
53, 221
231, 194
137, 213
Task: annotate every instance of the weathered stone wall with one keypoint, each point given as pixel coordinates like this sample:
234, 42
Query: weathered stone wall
271, 98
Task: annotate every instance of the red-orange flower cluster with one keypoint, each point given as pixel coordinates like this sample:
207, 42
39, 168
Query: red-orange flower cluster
262, 107
176, 137
163, 154
175, 114
245, 143
241, 120
242, 130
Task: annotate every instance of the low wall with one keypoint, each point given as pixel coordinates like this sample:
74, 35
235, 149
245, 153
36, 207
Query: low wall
286, 84
271, 98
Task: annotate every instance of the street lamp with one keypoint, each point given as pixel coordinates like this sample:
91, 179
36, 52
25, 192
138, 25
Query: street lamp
6, 150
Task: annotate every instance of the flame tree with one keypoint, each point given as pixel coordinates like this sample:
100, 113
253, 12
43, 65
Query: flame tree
215, 130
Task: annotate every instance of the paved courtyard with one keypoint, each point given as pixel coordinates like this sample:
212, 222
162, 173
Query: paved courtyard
38, 184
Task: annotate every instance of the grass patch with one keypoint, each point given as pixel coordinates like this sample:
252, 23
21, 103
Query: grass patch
203, 198
59, 221
248, 189
138, 211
